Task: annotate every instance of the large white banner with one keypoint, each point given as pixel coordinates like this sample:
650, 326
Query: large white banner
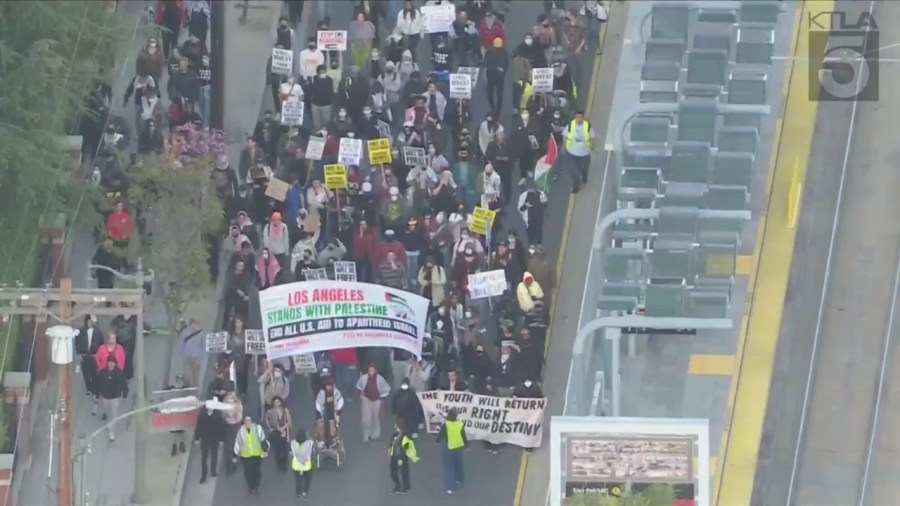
497, 420
310, 316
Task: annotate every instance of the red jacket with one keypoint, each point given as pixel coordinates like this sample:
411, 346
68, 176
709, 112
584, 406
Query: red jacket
161, 12
103, 353
487, 34
365, 245
119, 225
386, 247
345, 356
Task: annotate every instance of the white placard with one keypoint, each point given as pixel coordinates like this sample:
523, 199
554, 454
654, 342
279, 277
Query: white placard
487, 284
311, 316
282, 62
314, 148
438, 18
331, 40
345, 271
414, 157
217, 342
350, 151
473, 73
460, 86
254, 342
305, 363
497, 420
319, 274
292, 112
542, 80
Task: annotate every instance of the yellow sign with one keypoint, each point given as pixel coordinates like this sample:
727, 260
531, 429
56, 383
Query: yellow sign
335, 176
380, 151
480, 219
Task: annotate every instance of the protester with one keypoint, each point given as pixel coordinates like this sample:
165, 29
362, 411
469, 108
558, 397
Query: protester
301, 463
251, 446
113, 386
452, 436
373, 389
209, 434
402, 453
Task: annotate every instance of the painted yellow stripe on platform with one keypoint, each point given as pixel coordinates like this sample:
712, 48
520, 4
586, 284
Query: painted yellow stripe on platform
711, 365
744, 265
713, 467
758, 339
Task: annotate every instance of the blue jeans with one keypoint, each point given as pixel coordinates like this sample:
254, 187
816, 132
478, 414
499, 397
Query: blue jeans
453, 468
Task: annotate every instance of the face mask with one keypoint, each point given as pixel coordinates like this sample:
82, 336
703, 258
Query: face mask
404, 387
528, 383
367, 112
468, 314
525, 117
209, 412
395, 198
431, 151
528, 42
441, 311
265, 256
277, 374
342, 114
321, 74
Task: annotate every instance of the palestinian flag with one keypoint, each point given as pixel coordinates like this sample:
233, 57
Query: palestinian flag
399, 305
544, 164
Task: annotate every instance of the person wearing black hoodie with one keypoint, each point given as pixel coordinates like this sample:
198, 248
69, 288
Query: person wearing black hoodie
209, 434
496, 63
406, 407
531, 355
321, 97
284, 35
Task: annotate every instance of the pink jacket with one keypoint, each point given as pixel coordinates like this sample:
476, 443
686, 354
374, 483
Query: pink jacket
103, 353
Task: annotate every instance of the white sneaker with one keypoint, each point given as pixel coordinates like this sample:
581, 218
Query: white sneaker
112, 436
449, 492
94, 409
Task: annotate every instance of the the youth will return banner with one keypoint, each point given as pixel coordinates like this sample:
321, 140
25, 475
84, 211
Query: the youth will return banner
313, 316
497, 420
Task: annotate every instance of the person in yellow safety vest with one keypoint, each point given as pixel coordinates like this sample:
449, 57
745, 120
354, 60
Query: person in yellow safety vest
527, 91
301, 462
402, 451
579, 142
251, 446
453, 437
527, 292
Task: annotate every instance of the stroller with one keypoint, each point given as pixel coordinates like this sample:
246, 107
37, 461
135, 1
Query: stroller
329, 404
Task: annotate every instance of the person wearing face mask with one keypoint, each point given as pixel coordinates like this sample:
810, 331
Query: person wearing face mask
275, 384
284, 34
394, 210
405, 406
367, 127
502, 156
532, 206
274, 80
321, 97
310, 60
527, 141
343, 124
210, 432
506, 369
392, 83
487, 130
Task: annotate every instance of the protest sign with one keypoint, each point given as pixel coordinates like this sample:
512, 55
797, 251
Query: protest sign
379, 151
277, 189
335, 176
314, 148
350, 151
473, 74
481, 218
497, 420
306, 317
542, 80
438, 18
217, 342
315, 274
331, 40
460, 86
345, 271
414, 156
254, 342
384, 129
305, 363
487, 284
282, 62
292, 112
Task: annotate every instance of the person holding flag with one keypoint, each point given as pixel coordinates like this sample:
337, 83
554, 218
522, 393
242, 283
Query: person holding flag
532, 206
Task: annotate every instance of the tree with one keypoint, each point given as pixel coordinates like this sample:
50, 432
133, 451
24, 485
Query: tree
655, 495
180, 210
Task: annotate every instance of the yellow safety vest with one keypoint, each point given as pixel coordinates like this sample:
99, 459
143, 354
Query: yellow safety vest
527, 91
408, 443
252, 446
570, 135
296, 465
454, 432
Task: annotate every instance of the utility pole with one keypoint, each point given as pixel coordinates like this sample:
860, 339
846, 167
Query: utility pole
65, 305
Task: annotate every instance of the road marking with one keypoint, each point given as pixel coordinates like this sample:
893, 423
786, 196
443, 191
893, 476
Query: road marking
744, 265
758, 338
711, 365
570, 208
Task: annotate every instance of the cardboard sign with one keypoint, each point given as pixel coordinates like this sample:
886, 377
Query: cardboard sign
305, 363
487, 284
331, 40
473, 74
282, 62
292, 112
384, 129
460, 86
350, 151
481, 220
217, 342
315, 274
254, 342
542, 80
414, 156
314, 148
438, 18
277, 189
380, 151
345, 271
335, 176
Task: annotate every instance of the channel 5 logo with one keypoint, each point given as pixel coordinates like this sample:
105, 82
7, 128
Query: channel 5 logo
843, 56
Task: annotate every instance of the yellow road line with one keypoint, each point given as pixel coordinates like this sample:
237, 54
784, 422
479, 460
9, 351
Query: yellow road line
744, 265
760, 327
570, 208
702, 364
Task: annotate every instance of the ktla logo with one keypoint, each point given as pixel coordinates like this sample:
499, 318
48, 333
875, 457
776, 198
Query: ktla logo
843, 56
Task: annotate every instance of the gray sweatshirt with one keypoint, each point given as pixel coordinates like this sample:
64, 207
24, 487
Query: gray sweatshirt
361, 33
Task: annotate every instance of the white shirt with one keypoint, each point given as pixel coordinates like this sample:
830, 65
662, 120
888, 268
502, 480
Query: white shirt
310, 59
90, 338
293, 91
